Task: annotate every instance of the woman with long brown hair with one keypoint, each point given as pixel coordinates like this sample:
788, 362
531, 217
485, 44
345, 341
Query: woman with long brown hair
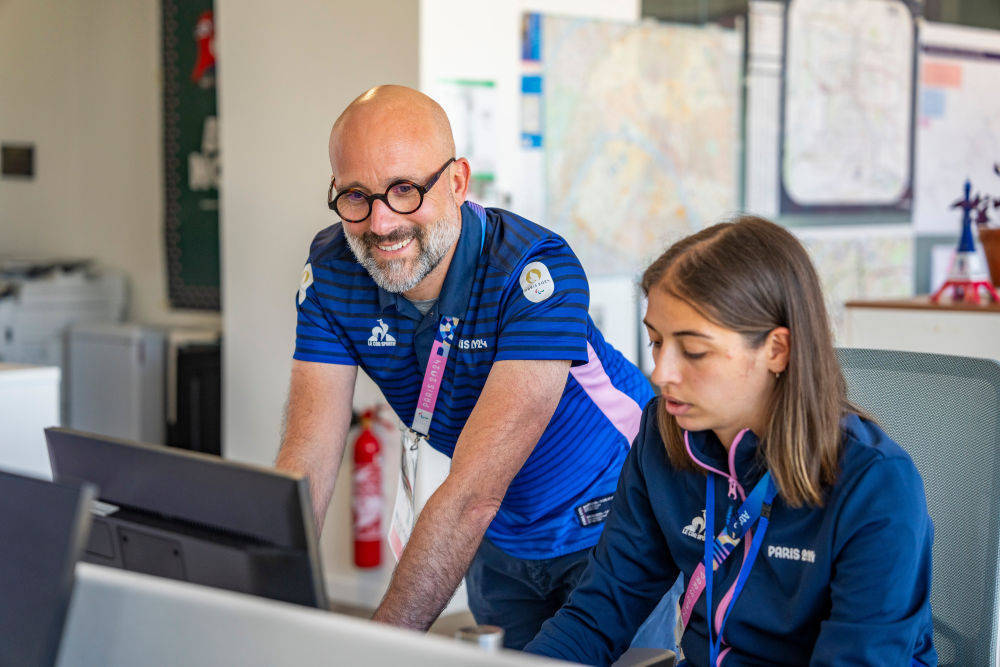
800, 527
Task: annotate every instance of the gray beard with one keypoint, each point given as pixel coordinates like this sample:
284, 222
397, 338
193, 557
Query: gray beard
402, 275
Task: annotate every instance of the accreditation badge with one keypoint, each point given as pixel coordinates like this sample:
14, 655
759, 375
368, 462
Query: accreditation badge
404, 510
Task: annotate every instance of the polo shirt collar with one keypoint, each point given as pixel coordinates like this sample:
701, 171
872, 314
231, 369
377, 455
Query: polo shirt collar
457, 287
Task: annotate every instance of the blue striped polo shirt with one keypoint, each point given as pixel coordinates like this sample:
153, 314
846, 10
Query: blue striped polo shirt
521, 294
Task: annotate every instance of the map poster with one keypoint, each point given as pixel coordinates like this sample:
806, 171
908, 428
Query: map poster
878, 264
191, 154
847, 115
642, 135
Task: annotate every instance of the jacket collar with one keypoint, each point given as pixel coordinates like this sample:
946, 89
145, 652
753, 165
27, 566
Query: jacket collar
739, 464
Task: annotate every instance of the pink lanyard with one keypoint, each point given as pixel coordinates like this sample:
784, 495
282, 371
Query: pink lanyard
433, 374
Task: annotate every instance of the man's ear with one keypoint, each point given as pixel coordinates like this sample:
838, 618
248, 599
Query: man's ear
461, 173
778, 348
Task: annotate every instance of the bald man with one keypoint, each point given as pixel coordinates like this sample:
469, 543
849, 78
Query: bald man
473, 323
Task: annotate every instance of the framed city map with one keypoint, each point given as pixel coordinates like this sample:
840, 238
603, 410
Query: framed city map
847, 116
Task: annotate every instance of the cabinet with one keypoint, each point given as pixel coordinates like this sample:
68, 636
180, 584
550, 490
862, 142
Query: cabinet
917, 325
29, 402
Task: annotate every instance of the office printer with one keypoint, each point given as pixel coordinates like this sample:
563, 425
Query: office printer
41, 297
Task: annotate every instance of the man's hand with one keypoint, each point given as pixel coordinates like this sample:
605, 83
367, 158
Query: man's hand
317, 418
514, 408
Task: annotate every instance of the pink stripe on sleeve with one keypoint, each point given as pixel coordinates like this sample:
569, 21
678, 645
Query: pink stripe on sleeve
616, 405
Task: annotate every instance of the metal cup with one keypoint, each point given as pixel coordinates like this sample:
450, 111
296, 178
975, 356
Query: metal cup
486, 637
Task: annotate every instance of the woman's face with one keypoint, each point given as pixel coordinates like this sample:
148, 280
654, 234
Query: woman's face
708, 376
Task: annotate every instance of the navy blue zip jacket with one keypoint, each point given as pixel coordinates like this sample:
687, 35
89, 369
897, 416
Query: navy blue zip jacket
847, 583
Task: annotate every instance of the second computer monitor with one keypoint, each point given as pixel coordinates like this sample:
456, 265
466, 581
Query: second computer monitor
195, 517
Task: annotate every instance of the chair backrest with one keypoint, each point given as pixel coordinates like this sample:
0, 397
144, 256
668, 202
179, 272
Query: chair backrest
945, 412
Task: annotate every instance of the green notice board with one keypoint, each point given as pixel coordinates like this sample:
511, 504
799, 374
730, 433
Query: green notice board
191, 154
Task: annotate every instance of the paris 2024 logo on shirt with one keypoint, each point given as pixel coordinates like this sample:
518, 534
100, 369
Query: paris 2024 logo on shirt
536, 282
305, 281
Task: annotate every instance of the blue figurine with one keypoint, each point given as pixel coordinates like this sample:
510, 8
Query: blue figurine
960, 279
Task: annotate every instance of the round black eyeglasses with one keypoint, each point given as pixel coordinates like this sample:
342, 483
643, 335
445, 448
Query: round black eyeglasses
402, 196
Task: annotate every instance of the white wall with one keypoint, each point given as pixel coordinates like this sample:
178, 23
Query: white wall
286, 70
81, 80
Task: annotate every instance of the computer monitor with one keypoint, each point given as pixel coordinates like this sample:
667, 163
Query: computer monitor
43, 527
195, 517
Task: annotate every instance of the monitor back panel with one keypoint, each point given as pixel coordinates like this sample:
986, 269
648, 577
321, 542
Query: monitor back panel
245, 499
132, 541
199, 499
43, 527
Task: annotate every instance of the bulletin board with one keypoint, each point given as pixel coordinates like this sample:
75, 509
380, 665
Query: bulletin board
191, 154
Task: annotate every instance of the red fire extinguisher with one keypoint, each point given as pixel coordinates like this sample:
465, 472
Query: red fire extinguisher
366, 503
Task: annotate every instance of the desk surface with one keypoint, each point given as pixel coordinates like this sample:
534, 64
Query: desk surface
924, 303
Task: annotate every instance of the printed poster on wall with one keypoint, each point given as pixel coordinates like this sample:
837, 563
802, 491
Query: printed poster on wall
471, 107
958, 129
191, 154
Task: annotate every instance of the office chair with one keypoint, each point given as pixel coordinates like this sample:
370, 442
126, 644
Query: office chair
945, 412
